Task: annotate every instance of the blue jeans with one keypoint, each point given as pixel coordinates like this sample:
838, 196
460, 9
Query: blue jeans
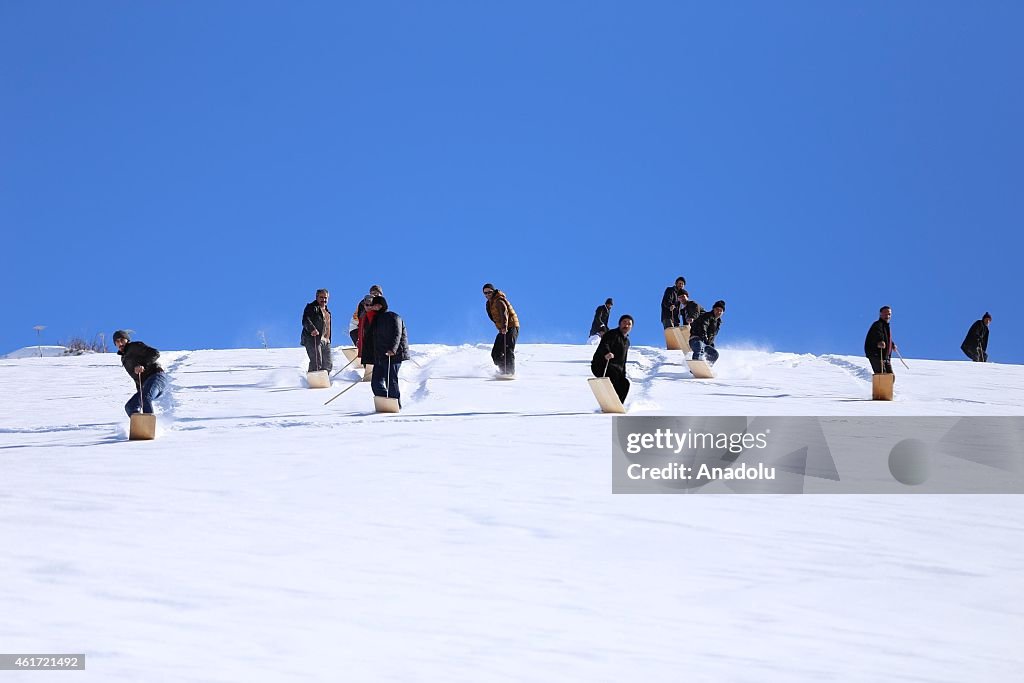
153, 388
380, 373
700, 350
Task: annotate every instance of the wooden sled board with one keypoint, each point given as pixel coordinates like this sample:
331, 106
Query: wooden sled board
143, 427
882, 386
318, 379
368, 373
605, 394
504, 377
700, 369
383, 404
350, 355
675, 340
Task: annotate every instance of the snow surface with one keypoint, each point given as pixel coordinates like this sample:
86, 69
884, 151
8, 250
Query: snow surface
41, 351
474, 537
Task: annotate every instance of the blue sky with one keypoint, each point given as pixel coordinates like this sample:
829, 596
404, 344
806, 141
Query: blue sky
195, 170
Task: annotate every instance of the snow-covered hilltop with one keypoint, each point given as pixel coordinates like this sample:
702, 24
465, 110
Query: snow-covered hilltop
265, 536
42, 351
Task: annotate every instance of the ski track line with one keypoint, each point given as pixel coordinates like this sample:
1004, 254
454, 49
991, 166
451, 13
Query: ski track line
171, 402
852, 369
656, 359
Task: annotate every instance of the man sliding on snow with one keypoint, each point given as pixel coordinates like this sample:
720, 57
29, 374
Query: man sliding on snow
139, 362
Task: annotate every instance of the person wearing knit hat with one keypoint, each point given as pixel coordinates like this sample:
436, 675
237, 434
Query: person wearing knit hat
975, 344
504, 317
600, 324
140, 362
703, 331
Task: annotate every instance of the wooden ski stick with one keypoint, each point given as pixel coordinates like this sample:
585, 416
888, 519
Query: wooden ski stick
896, 349
343, 367
358, 381
138, 378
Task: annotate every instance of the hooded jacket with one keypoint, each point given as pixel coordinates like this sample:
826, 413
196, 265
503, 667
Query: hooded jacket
500, 311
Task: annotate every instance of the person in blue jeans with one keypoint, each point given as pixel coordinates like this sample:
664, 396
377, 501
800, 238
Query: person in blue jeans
703, 331
386, 345
140, 362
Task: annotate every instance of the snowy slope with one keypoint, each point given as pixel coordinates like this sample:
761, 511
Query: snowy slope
265, 536
42, 351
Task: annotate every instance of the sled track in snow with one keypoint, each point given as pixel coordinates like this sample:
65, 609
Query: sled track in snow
651, 361
856, 371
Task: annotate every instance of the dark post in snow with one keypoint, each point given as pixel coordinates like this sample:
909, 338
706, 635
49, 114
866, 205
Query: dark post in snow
39, 338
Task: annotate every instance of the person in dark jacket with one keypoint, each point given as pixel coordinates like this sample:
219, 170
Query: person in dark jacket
385, 345
878, 344
691, 310
610, 357
670, 303
140, 362
703, 331
504, 317
316, 332
976, 342
600, 324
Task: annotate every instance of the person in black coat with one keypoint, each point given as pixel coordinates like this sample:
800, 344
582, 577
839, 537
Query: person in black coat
703, 331
878, 344
385, 345
600, 324
611, 355
976, 342
316, 332
670, 303
691, 310
140, 362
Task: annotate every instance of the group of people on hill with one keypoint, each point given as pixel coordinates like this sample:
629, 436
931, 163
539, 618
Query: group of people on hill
379, 335
381, 340
879, 346
677, 310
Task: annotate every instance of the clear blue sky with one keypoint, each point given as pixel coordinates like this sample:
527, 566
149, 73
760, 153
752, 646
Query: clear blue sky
195, 170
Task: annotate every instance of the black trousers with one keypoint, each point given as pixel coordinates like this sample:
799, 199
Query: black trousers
976, 354
879, 366
616, 374
504, 352
380, 378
